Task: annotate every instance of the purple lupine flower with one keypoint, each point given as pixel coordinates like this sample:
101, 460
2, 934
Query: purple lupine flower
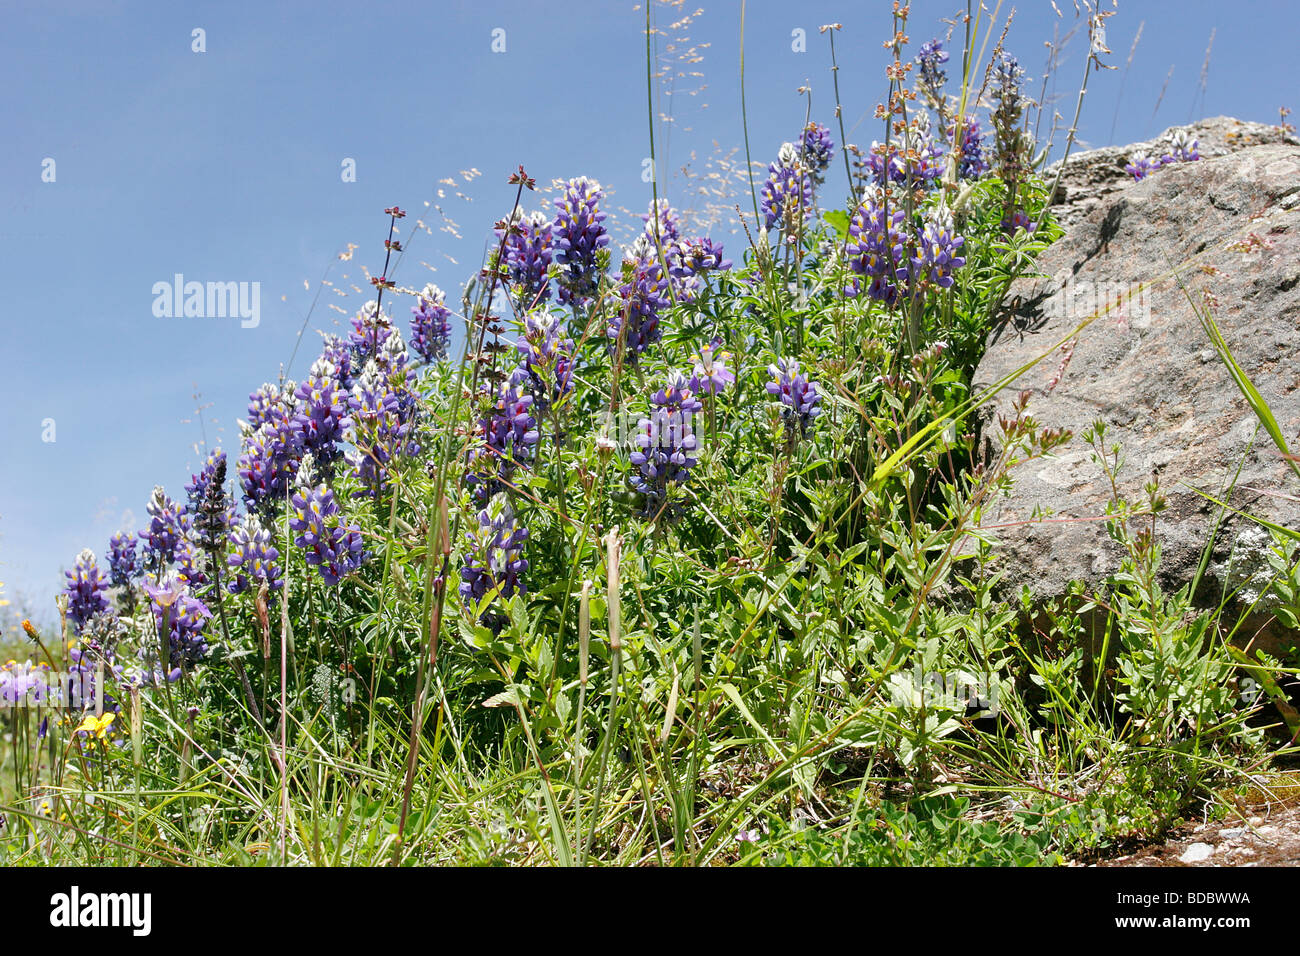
917, 164
382, 424
666, 223
665, 445
972, 163
371, 328
494, 561
936, 257
333, 547
799, 397
579, 235
123, 562
431, 324
546, 361
85, 589
322, 417
338, 352
818, 149
184, 616
508, 437
253, 557
1140, 166
875, 249
787, 196
697, 257
644, 293
271, 455
166, 531
268, 403
189, 564
931, 58
1183, 148
528, 251
1016, 222
711, 375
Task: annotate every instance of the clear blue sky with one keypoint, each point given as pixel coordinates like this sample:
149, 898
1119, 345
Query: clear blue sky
225, 166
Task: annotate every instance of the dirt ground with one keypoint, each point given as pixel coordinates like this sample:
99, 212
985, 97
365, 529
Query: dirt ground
1264, 834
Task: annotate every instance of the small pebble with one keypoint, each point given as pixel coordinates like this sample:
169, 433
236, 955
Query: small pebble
1196, 853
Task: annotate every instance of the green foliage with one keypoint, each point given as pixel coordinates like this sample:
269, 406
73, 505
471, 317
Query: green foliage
932, 831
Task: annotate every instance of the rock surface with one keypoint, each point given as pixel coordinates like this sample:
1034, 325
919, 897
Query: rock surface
1092, 178
1231, 224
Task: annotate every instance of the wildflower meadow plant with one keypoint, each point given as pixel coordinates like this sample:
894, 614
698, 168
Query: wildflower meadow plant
786, 199
85, 589
579, 235
332, 545
431, 323
253, 559
494, 563
645, 293
799, 397
529, 249
665, 444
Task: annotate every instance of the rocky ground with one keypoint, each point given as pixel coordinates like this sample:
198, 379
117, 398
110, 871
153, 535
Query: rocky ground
1263, 837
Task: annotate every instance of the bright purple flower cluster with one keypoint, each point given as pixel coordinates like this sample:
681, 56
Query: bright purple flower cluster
1017, 221
338, 352
272, 451
528, 252
267, 404
931, 58
166, 531
431, 323
818, 149
371, 328
1182, 149
85, 589
697, 257
688, 260
382, 422
253, 558
645, 292
322, 416
184, 616
875, 249
711, 375
123, 562
799, 397
1140, 166
508, 436
494, 561
333, 547
546, 360
972, 163
919, 165
936, 257
579, 234
666, 444
787, 196
666, 220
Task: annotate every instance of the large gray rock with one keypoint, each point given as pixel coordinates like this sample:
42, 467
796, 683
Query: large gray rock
1148, 371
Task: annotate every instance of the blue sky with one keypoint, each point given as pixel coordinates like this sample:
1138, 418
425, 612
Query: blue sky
225, 165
